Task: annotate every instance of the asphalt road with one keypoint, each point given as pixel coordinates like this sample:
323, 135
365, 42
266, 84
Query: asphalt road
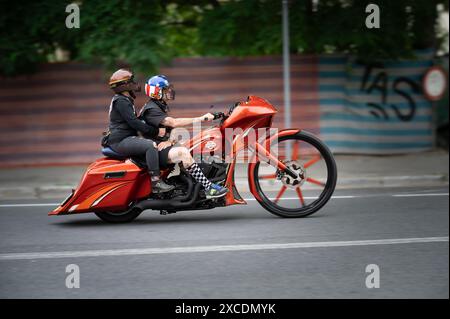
321, 256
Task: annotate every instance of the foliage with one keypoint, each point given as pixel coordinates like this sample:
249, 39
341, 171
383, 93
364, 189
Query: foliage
250, 27
29, 31
145, 34
122, 31
254, 27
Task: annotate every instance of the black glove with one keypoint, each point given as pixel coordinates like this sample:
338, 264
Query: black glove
218, 115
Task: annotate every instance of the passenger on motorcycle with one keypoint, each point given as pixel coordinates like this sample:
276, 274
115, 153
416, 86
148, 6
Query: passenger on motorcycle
124, 126
154, 113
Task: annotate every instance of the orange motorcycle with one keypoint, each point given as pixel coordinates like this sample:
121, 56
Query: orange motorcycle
291, 172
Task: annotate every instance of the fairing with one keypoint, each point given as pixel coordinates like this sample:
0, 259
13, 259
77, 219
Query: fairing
107, 185
254, 113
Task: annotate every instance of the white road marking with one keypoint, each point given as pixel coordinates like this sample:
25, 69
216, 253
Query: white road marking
208, 249
253, 199
419, 195
29, 205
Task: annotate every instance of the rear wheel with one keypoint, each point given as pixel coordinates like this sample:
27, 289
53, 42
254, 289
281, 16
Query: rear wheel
314, 164
119, 217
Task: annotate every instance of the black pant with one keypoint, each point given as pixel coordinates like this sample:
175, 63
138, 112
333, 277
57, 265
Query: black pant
136, 146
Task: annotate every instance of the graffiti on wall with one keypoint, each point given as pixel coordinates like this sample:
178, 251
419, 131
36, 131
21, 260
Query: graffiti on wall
381, 84
375, 109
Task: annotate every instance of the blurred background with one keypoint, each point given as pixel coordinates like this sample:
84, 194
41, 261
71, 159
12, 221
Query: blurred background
359, 89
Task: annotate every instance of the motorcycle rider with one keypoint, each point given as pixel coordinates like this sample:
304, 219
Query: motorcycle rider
154, 113
124, 126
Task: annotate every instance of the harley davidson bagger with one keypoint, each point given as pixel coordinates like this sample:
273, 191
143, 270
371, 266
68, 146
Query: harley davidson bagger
290, 173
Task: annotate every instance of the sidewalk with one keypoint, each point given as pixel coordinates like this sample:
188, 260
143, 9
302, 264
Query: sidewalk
354, 171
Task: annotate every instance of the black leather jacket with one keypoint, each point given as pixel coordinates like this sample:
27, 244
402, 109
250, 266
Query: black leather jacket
123, 121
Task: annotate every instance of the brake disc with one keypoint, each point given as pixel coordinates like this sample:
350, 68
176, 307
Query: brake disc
288, 180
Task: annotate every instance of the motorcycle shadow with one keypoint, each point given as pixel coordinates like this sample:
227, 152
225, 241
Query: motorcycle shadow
148, 219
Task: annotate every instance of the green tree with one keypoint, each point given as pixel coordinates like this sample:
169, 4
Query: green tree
145, 34
254, 27
30, 31
240, 28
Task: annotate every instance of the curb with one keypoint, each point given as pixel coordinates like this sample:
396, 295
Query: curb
61, 191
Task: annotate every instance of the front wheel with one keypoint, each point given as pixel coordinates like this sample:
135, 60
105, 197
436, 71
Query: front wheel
312, 161
119, 217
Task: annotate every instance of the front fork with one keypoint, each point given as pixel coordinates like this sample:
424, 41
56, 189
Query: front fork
233, 197
272, 160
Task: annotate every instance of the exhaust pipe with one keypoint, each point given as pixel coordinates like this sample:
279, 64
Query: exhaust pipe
188, 180
171, 204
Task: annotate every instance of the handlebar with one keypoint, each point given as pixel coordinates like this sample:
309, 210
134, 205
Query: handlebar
217, 115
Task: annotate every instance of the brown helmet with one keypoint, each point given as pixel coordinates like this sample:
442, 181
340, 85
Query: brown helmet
123, 80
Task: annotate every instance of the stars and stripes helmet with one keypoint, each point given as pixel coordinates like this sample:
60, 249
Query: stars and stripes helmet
158, 87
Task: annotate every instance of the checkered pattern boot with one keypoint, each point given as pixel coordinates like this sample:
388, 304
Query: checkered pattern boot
211, 190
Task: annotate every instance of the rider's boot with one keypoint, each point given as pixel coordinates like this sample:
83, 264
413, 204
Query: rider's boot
159, 186
215, 191
211, 190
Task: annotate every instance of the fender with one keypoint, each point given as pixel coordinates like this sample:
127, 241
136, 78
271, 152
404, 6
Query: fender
252, 164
